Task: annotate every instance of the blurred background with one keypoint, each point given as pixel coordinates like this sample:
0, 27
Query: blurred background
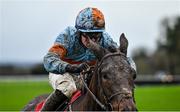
28, 28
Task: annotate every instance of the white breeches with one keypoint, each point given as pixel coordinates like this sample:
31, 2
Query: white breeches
64, 83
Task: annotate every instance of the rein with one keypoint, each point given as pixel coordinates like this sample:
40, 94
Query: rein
107, 99
93, 96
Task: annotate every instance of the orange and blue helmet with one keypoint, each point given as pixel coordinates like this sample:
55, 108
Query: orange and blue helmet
90, 20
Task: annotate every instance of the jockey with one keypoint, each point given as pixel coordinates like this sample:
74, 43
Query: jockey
70, 55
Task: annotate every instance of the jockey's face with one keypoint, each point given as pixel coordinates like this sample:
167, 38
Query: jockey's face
95, 37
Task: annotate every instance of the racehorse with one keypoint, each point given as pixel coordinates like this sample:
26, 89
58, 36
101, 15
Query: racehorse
112, 84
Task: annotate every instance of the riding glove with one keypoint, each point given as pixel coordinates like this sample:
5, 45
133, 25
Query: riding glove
76, 68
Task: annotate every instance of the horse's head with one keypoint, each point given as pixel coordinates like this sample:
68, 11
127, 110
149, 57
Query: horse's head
115, 76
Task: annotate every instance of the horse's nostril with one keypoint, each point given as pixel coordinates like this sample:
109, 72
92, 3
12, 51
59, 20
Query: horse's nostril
126, 109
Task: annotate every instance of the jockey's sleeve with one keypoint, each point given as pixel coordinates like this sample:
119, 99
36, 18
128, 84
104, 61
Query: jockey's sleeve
52, 60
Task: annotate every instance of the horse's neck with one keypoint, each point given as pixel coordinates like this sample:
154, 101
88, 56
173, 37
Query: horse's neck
93, 87
86, 102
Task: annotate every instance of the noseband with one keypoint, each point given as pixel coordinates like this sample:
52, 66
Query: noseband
107, 106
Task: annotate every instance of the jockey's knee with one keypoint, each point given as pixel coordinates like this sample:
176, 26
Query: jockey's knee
64, 83
66, 87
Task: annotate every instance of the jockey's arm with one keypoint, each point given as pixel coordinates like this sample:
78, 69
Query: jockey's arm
52, 60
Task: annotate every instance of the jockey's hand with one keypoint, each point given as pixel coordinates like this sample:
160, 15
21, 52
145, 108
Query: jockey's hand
76, 68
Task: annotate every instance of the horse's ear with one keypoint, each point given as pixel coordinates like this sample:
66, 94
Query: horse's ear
123, 44
97, 50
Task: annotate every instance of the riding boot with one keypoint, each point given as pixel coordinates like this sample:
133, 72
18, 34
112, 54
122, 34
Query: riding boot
55, 99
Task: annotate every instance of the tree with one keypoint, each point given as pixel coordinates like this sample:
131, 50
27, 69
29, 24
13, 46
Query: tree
170, 43
142, 60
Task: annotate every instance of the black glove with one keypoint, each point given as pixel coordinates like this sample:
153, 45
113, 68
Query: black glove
76, 68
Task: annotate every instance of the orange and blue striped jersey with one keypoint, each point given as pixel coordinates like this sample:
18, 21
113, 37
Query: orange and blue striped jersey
68, 49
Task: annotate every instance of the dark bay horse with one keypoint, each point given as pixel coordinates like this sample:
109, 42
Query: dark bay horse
112, 83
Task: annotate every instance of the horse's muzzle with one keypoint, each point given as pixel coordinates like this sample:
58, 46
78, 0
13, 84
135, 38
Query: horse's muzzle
125, 104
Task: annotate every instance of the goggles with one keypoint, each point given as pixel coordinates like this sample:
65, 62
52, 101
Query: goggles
93, 36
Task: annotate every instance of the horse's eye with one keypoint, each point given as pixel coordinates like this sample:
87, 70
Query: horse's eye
133, 72
105, 76
134, 76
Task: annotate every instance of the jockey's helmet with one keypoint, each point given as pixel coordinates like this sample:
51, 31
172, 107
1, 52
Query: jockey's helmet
90, 20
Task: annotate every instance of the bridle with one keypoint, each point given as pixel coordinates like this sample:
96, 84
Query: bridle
107, 105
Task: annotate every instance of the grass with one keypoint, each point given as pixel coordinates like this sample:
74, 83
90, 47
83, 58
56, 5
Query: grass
14, 95
158, 98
